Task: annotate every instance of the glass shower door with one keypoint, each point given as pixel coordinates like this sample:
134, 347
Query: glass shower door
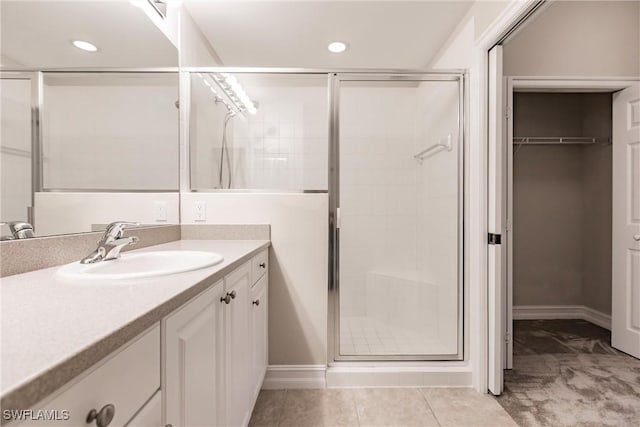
397, 191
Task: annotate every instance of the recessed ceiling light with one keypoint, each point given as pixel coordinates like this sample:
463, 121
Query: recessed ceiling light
337, 47
80, 44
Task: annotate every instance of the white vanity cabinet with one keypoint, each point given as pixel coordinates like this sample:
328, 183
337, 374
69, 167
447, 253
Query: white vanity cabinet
215, 351
115, 390
193, 344
259, 334
238, 346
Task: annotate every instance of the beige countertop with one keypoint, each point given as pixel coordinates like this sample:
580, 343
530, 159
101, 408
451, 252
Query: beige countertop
53, 329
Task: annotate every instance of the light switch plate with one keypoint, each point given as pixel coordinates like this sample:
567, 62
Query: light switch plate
201, 210
161, 210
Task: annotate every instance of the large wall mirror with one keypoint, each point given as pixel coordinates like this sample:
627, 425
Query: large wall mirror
89, 116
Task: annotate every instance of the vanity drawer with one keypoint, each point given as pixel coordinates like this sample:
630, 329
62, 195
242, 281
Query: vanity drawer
259, 265
125, 380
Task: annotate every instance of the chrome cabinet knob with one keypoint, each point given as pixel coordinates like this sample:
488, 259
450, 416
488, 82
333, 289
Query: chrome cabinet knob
262, 265
256, 302
636, 237
103, 417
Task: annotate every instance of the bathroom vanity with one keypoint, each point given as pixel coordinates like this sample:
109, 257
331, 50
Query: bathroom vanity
176, 350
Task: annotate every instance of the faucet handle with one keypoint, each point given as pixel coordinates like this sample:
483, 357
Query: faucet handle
20, 229
116, 229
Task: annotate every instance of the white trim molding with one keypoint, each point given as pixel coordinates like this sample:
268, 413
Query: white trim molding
545, 312
399, 376
280, 377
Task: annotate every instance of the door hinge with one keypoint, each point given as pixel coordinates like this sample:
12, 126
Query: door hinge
507, 338
507, 112
495, 239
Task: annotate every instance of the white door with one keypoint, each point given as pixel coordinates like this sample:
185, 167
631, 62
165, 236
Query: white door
625, 315
238, 349
496, 222
193, 346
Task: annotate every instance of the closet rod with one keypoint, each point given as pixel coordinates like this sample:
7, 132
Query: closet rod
561, 140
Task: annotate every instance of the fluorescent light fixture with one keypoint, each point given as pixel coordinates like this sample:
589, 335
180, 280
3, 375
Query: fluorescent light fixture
81, 44
235, 92
337, 47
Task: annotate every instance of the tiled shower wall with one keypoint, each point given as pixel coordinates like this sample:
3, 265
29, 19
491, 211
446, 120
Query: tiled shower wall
439, 177
286, 141
378, 189
284, 146
399, 217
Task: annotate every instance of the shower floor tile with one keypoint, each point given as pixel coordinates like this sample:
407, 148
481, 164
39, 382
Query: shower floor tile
361, 335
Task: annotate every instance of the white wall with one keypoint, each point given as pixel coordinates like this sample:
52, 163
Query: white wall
578, 38
63, 213
15, 150
110, 132
298, 265
195, 50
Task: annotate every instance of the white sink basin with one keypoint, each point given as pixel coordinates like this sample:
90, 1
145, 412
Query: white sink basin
140, 265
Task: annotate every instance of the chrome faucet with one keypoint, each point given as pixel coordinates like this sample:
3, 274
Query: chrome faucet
19, 230
111, 244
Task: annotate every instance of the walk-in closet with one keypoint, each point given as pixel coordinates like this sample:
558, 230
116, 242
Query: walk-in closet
562, 192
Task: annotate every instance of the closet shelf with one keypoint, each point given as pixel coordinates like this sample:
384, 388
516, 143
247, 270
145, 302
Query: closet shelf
561, 140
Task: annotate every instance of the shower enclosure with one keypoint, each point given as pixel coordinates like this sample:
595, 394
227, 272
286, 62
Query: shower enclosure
388, 149
396, 199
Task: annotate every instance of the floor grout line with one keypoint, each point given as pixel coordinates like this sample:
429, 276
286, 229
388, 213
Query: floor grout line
429, 406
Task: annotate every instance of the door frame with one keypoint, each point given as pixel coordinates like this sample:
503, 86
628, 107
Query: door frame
533, 84
333, 333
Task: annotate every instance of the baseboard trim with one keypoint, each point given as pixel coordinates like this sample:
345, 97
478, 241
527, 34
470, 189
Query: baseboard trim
535, 312
345, 377
280, 377
294, 376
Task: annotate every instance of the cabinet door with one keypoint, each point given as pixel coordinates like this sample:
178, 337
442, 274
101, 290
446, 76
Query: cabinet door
237, 341
151, 413
259, 333
193, 386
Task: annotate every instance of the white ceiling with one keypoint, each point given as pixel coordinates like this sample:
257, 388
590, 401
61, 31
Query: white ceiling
380, 34
38, 34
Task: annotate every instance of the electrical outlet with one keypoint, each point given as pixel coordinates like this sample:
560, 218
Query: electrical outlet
161, 211
201, 211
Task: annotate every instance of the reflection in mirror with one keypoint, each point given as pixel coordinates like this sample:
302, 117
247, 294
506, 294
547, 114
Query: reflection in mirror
110, 131
15, 151
39, 34
258, 131
89, 130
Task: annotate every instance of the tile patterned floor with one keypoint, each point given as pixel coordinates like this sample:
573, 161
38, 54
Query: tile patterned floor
378, 407
366, 336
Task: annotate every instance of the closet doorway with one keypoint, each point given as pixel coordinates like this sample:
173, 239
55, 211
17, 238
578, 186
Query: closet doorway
561, 187
550, 190
565, 188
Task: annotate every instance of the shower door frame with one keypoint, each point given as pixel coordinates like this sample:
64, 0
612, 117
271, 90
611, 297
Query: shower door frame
333, 332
